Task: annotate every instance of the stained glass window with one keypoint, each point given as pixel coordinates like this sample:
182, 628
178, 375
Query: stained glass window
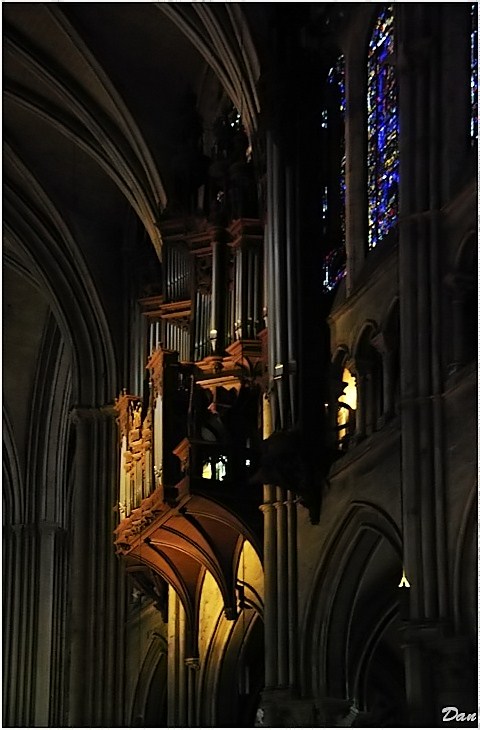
336, 77
382, 131
333, 194
474, 73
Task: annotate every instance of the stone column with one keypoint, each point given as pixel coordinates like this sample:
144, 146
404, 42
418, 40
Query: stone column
193, 665
98, 590
423, 472
172, 659
361, 415
20, 543
270, 586
270, 567
292, 590
51, 553
381, 346
180, 711
282, 588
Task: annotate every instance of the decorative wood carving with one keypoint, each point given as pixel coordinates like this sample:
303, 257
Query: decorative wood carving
132, 526
182, 452
203, 273
126, 407
156, 365
177, 312
137, 453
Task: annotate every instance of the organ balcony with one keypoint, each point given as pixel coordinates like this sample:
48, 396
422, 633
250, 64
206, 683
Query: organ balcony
190, 447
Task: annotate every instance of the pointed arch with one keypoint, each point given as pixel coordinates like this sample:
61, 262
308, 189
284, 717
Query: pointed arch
13, 490
118, 145
34, 227
365, 541
47, 446
227, 46
151, 688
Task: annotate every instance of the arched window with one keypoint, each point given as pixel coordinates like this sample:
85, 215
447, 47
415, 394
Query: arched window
382, 130
333, 196
474, 73
369, 372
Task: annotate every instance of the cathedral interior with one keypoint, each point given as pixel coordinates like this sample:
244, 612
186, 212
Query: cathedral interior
240, 364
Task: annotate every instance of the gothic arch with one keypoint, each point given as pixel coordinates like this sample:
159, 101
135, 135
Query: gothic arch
345, 620
244, 644
367, 330
390, 343
227, 46
127, 160
49, 428
467, 254
341, 415
226, 668
150, 691
13, 502
340, 356
465, 593
370, 377
463, 302
35, 228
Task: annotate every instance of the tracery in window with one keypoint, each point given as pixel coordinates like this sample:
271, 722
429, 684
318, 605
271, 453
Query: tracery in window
382, 129
474, 72
333, 194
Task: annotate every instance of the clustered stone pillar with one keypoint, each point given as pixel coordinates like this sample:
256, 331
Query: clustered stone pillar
270, 566
282, 588
280, 595
423, 468
182, 670
20, 544
97, 579
192, 664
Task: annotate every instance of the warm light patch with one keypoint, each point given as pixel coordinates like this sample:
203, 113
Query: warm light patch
215, 469
250, 572
350, 391
404, 582
349, 397
210, 611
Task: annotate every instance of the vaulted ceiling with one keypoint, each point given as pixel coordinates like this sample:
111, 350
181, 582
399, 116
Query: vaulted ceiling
94, 94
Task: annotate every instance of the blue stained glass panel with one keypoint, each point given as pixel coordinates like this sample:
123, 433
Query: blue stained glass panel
474, 73
334, 262
382, 125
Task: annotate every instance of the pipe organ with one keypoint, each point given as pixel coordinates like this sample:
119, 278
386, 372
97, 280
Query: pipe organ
190, 447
